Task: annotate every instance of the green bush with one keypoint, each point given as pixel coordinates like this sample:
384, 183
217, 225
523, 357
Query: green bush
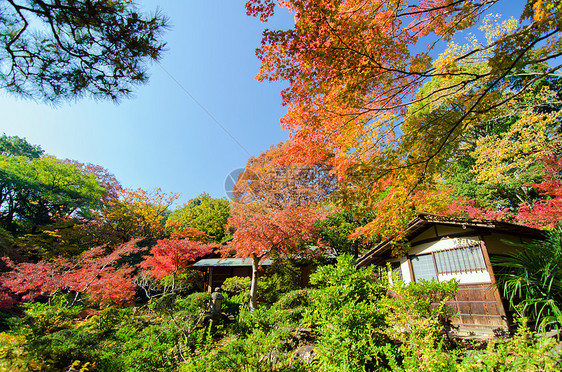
523, 352
237, 293
344, 310
531, 279
279, 278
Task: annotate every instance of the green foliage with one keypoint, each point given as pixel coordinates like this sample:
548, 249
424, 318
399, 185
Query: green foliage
65, 50
180, 283
532, 280
237, 293
204, 214
259, 351
336, 229
361, 328
346, 313
6, 243
281, 277
415, 314
52, 337
193, 304
14, 356
39, 197
17, 146
520, 353
47, 337
237, 284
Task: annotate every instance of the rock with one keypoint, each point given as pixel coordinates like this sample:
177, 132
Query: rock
273, 357
305, 354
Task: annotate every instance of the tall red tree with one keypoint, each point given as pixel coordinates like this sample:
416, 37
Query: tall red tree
273, 233
276, 207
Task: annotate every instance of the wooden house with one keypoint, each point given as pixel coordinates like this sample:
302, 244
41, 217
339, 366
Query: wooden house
442, 248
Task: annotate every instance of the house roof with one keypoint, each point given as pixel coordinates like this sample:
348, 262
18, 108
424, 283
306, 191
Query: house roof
423, 220
229, 262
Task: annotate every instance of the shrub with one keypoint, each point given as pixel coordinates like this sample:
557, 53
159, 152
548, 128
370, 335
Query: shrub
532, 280
521, 353
237, 293
279, 278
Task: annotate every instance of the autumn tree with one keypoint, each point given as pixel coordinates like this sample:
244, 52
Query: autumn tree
171, 259
270, 182
260, 235
354, 87
352, 73
276, 211
496, 162
95, 273
133, 214
63, 50
202, 218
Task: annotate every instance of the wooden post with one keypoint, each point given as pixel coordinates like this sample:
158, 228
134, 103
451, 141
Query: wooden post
210, 282
412, 277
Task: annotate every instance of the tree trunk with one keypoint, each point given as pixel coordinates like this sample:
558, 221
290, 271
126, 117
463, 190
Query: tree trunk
254, 287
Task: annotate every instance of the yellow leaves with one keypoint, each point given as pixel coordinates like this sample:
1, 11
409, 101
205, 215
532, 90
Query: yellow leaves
494, 29
458, 62
14, 356
500, 157
544, 10
139, 212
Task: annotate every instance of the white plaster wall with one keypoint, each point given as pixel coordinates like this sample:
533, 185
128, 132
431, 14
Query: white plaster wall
470, 277
443, 244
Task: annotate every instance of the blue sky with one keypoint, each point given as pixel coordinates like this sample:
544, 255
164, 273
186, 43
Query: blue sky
162, 137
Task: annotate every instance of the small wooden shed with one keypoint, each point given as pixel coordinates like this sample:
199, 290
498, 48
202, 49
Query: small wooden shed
443, 248
217, 270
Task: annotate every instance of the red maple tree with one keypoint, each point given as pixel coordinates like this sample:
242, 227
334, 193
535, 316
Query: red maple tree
546, 212
171, 257
95, 273
271, 233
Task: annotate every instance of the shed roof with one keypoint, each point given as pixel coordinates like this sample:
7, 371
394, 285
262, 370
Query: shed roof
229, 262
423, 220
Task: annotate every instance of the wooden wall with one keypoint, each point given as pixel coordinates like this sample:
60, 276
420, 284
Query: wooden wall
478, 309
